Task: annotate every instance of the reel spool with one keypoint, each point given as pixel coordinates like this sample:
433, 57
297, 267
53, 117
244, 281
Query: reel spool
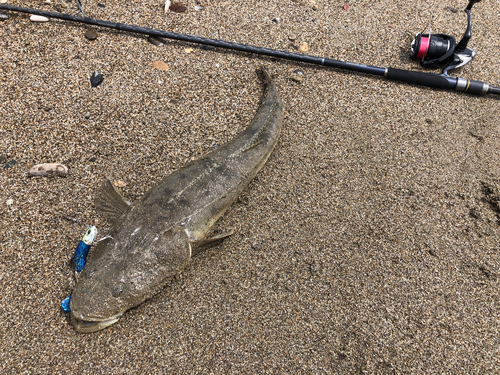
433, 51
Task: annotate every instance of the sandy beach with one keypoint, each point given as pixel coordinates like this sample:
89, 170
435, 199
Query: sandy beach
368, 244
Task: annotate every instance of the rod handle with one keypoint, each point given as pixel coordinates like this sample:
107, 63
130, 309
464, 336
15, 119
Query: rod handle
423, 79
439, 81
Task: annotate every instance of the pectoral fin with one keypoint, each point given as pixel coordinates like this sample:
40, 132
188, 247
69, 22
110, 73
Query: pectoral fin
198, 246
110, 203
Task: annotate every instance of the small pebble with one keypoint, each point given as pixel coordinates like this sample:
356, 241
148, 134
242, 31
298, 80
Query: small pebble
3, 159
9, 202
188, 50
298, 75
3, 17
10, 164
91, 35
101, 5
345, 6
178, 8
3, 1
160, 65
276, 20
304, 47
96, 79
156, 41
451, 9
49, 170
292, 36
120, 183
35, 18
93, 159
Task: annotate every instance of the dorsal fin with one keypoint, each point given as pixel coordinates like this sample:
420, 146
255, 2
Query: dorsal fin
109, 202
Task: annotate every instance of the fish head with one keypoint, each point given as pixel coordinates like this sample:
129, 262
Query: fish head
123, 273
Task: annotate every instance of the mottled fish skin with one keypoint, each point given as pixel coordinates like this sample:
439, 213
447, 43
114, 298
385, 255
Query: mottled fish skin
154, 238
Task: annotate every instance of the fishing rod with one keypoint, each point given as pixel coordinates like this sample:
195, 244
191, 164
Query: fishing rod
425, 47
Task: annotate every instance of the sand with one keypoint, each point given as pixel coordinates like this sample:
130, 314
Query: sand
369, 243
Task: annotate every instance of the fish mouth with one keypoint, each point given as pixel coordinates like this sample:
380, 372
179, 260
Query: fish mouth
89, 326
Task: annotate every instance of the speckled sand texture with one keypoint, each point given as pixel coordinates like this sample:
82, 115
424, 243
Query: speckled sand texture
369, 243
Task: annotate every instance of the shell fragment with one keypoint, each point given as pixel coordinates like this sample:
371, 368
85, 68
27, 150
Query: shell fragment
35, 18
48, 170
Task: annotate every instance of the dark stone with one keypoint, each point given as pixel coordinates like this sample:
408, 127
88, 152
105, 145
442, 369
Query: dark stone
93, 159
474, 213
96, 79
101, 5
91, 34
10, 164
156, 41
178, 8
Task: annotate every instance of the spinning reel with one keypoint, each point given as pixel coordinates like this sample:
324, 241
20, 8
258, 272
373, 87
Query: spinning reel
442, 51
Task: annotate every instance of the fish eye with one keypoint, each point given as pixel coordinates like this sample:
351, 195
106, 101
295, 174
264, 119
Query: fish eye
116, 292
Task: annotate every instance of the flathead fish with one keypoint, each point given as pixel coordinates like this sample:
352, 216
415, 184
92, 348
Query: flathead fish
153, 239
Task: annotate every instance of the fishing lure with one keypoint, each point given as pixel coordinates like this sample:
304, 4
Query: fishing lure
80, 258
82, 250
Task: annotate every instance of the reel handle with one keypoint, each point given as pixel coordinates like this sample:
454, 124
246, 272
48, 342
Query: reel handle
471, 3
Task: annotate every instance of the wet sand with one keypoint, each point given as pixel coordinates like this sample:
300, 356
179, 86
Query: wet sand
369, 242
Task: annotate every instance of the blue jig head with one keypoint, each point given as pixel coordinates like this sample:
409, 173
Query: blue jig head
65, 304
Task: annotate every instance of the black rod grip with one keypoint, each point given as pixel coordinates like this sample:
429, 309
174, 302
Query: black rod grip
423, 79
